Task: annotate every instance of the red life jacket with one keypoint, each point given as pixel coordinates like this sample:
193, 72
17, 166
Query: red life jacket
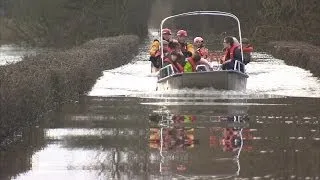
203, 52
193, 64
158, 53
248, 49
176, 66
230, 52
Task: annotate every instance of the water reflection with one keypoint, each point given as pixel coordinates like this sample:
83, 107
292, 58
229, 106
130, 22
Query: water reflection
179, 148
131, 138
16, 153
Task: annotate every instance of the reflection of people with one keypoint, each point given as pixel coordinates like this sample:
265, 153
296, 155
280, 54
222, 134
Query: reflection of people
173, 138
183, 119
176, 119
232, 138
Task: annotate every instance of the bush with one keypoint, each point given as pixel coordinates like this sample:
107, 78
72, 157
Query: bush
43, 82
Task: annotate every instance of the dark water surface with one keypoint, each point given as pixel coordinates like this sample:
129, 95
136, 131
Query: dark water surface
136, 138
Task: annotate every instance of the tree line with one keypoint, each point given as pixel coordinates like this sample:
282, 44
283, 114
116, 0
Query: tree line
262, 19
71, 22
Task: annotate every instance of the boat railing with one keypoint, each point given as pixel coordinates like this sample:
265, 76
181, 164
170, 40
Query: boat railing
166, 71
202, 68
239, 66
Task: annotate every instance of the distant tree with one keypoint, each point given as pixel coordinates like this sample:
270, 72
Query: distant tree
70, 22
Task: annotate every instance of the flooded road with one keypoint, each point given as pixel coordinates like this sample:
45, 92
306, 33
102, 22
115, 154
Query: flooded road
132, 138
128, 130
268, 77
11, 53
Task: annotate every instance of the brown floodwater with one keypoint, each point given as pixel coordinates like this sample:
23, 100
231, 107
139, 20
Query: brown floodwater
124, 129
163, 138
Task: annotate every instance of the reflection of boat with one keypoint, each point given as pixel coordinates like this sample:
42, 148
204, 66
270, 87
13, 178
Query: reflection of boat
193, 157
235, 79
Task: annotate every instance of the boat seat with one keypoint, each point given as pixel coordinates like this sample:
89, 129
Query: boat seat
202, 68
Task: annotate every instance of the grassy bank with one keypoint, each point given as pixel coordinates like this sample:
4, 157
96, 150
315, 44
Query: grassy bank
40, 83
299, 54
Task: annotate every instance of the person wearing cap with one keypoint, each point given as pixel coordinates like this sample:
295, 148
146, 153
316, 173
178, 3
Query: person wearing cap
173, 60
203, 51
200, 48
155, 51
166, 34
187, 48
155, 46
156, 60
247, 49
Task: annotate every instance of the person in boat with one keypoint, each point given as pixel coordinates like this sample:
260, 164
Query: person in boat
247, 50
203, 51
186, 48
192, 63
200, 48
156, 59
174, 61
232, 53
175, 46
155, 51
224, 50
236, 42
155, 46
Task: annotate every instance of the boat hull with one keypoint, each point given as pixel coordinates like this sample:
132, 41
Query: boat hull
226, 80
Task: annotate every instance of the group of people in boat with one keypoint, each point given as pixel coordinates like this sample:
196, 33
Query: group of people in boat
185, 56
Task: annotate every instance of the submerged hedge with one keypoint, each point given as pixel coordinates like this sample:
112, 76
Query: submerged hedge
42, 82
299, 54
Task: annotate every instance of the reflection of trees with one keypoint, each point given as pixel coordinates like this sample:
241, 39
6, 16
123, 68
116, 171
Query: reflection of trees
123, 152
17, 158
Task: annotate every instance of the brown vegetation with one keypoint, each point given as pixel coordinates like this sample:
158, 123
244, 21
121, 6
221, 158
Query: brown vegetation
298, 54
61, 23
40, 83
262, 20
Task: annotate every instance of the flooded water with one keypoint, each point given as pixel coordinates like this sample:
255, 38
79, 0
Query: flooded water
11, 54
134, 138
125, 129
268, 77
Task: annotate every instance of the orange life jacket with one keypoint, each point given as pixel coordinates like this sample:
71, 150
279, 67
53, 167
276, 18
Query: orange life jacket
176, 66
203, 52
248, 49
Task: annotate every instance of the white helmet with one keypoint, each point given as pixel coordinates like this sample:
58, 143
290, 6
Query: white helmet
198, 39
